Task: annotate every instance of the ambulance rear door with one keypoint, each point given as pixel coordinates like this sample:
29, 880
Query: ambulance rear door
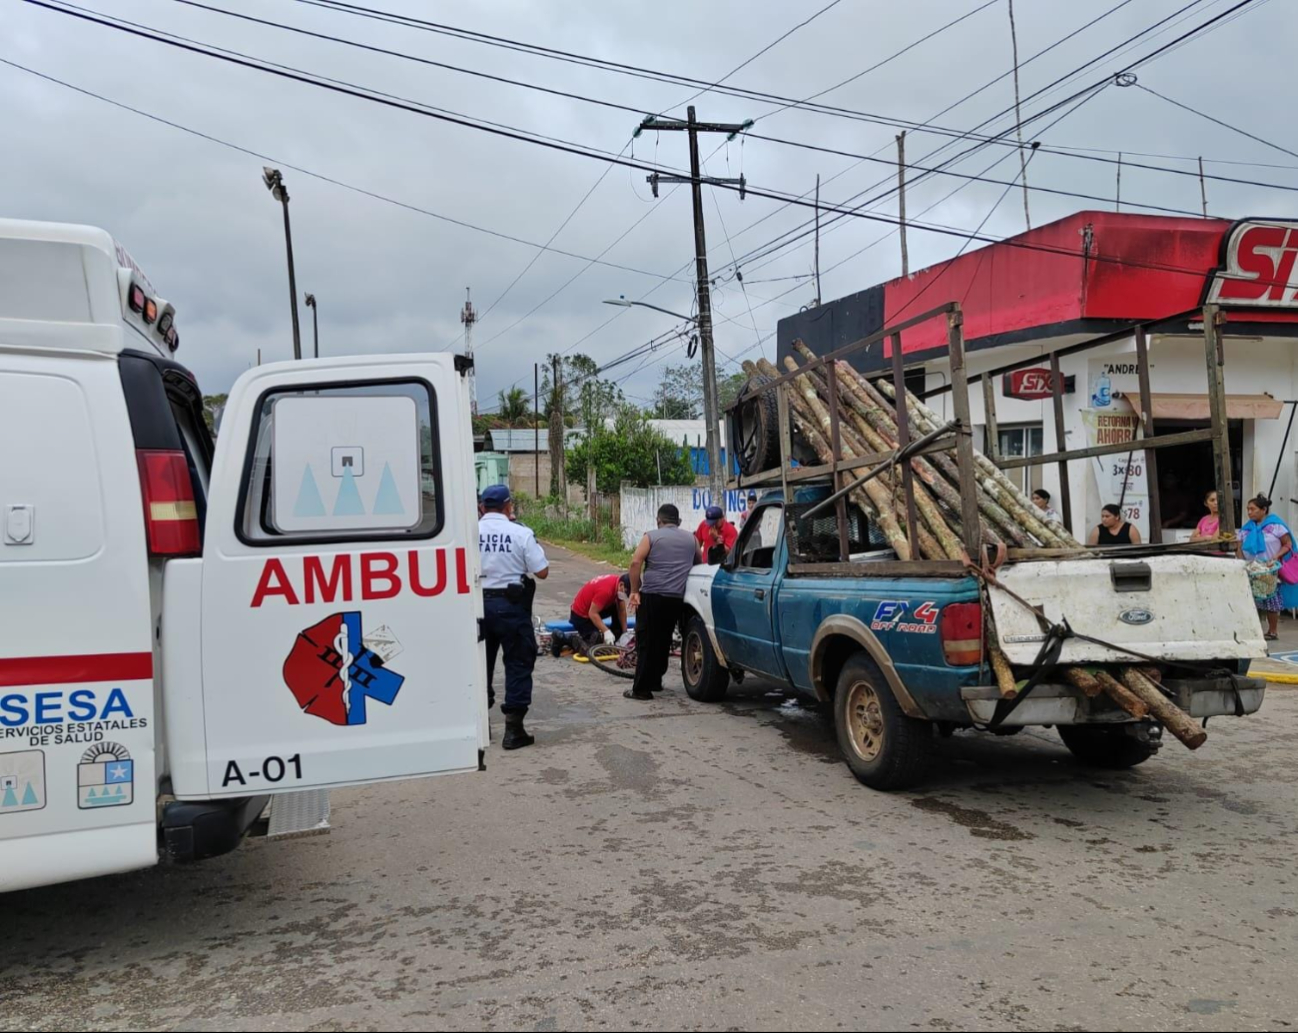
339, 601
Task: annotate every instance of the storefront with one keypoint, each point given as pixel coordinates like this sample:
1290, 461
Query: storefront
1098, 277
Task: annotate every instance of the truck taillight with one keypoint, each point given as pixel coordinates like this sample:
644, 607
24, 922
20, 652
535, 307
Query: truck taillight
962, 634
170, 514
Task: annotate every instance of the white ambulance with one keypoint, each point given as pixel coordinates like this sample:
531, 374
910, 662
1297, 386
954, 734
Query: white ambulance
196, 643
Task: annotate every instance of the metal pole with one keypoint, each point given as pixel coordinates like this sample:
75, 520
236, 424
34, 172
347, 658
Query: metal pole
1220, 425
1147, 429
315, 326
536, 425
292, 277
716, 474
901, 201
1203, 189
1065, 491
1118, 206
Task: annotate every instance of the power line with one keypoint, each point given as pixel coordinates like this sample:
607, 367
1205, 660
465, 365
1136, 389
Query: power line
323, 177
575, 149
802, 230
1217, 121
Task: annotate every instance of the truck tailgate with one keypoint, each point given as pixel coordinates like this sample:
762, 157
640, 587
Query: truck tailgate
1175, 607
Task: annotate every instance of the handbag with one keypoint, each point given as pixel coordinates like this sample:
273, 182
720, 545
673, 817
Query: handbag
1289, 569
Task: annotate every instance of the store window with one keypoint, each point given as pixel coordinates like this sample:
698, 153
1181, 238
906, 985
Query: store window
1015, 442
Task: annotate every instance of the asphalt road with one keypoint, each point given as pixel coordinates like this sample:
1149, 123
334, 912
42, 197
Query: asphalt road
678, 866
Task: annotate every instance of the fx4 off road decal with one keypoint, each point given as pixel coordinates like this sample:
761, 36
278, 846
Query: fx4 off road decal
889, 613
333, 671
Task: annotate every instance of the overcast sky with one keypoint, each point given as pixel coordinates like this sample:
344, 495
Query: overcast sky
197, 218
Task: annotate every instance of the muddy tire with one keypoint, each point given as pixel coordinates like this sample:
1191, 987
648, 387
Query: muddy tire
884, 748
705, 679
1110, 748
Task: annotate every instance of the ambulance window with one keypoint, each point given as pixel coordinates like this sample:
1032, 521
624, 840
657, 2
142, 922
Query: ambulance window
197, 451
343, 462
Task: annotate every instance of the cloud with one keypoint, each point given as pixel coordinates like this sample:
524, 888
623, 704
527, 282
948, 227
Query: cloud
197, 217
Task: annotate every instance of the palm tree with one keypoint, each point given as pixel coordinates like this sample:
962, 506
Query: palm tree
513, 406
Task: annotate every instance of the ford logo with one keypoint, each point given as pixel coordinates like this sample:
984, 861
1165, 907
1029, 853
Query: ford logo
1135, 616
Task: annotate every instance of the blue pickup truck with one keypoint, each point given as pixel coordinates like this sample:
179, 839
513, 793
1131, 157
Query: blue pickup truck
901, 660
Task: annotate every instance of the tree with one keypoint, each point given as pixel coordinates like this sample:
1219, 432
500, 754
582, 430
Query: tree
213, 406
679, 394
631, 451
728, 390
512, 407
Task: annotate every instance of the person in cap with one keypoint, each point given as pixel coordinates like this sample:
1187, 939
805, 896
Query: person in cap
510, 553
752, 505
599, 609
715, 536
659, 568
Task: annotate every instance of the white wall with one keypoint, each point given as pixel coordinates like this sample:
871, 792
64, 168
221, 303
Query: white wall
640, 508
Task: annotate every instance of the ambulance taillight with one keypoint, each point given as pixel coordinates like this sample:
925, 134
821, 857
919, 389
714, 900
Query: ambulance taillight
170, 513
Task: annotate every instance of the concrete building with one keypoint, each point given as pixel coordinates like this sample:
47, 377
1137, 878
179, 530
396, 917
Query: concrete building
1095, 276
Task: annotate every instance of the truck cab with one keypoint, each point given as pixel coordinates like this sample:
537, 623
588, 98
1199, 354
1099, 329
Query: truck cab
205, 638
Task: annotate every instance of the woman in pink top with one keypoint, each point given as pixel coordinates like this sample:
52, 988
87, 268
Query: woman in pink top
1208, 526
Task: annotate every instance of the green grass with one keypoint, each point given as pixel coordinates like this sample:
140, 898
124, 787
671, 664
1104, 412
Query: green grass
578, 533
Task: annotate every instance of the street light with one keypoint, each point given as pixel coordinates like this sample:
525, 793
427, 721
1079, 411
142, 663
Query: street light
275, 184
315, 323
623, 303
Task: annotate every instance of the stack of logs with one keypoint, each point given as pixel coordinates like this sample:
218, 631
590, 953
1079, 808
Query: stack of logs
867, 423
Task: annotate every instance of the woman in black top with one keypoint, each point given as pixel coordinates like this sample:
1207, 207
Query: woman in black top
1113, 530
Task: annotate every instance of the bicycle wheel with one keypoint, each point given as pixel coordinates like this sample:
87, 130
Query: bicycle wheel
618, 661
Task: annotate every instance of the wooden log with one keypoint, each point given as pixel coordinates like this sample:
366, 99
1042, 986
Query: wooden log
810, 409
1103, 682
1000, 664
943, 467
1049, 533
1174, 719
871, 439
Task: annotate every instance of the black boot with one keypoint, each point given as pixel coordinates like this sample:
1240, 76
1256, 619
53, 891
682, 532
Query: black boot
516, 736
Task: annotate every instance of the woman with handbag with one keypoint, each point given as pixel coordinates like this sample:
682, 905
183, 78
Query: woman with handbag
1266, 542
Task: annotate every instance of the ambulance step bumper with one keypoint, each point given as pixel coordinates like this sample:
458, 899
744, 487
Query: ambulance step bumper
299, 814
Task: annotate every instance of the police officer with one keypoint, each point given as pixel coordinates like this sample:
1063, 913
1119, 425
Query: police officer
510, 552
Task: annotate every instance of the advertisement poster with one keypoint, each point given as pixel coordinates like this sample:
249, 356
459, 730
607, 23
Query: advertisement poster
1120, 478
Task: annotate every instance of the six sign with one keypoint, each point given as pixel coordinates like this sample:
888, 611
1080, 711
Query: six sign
1257, 270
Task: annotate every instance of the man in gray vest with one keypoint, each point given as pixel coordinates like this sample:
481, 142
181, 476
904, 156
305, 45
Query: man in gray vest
659, 568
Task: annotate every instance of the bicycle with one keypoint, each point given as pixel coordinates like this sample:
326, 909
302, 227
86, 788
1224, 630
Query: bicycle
619, 660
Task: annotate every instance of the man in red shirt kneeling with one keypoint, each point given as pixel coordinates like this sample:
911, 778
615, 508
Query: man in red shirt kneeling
599, 609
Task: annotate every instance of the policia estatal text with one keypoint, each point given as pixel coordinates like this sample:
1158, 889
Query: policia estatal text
510, 552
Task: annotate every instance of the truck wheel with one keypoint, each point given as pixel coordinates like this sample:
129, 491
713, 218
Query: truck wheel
754, 430
705, 679
1100, 747
884, 748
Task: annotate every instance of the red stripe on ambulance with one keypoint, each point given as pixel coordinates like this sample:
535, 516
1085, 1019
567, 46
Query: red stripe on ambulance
377, 575
84, 667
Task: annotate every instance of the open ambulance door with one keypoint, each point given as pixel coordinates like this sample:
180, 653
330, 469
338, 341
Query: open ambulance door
338, 609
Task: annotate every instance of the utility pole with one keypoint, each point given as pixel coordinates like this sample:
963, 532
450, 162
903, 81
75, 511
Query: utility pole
901, 201
818, 295
468, 317
1118, 208
711, 412
1203, 189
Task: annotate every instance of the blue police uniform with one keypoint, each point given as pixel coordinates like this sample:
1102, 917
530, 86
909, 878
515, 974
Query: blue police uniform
509, 552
